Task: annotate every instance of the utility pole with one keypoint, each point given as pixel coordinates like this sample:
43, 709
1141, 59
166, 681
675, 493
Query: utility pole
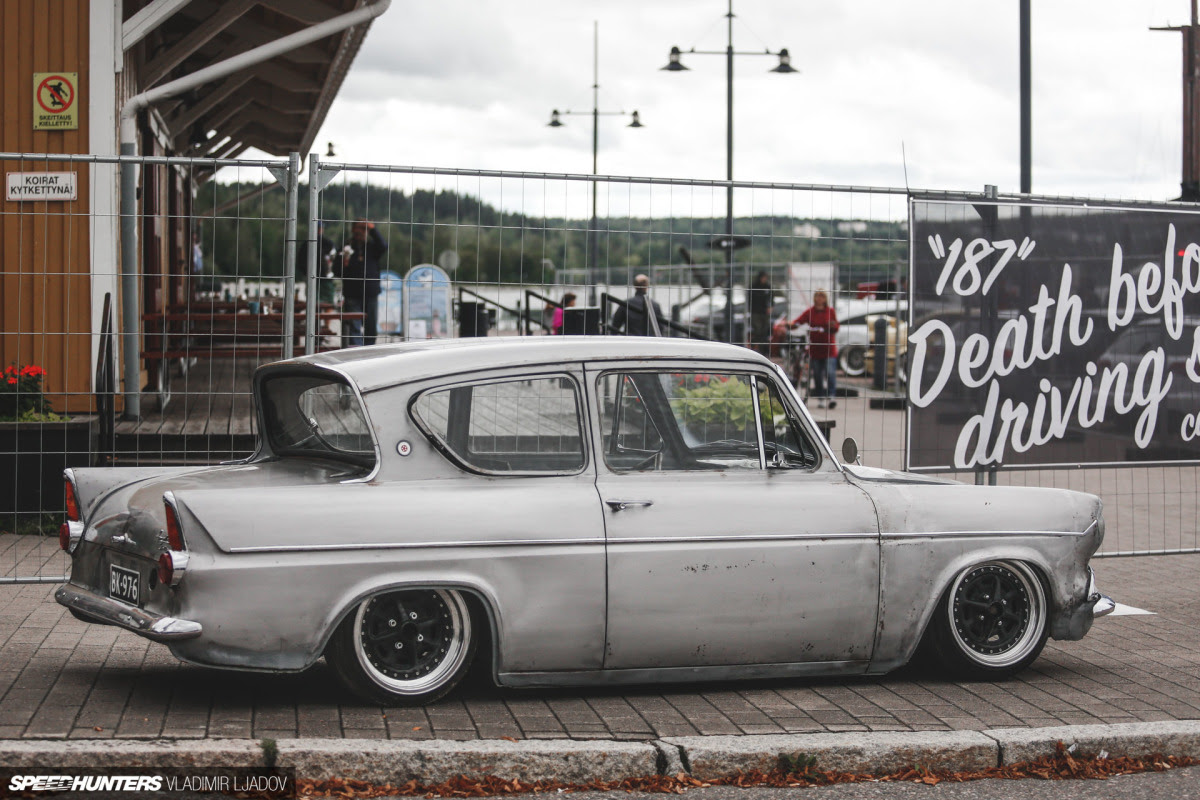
1189, 185
592, 244
1026, 103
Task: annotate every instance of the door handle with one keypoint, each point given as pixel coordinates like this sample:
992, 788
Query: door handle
621, 505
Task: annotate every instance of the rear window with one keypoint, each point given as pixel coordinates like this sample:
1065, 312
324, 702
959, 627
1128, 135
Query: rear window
316, 416
530, 426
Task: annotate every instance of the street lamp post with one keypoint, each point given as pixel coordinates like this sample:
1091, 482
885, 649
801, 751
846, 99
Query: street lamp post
593, 243
676, 65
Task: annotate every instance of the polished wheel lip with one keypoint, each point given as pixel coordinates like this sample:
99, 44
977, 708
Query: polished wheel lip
456, 645
1022, 643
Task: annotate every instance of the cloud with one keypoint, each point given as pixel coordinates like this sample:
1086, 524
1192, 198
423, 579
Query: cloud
471, 85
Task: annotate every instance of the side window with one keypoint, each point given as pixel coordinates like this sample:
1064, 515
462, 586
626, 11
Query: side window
678, 421
631, 439
784, 439
518, 426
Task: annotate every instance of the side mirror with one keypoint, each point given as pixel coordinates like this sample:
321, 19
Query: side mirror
850, 450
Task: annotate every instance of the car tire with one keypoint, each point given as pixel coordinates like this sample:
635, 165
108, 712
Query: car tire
992, 621
404, 647
853, 361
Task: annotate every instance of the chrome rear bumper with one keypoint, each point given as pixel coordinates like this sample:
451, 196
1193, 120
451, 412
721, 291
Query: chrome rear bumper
107, 611
1102, 604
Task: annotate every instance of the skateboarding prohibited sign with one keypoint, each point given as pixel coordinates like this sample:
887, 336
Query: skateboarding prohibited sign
55, 105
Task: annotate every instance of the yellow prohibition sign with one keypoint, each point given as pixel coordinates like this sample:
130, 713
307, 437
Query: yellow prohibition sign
55, 105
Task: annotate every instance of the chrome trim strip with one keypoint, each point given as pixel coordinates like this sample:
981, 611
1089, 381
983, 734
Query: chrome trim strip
946, 534
753, 537
297, 548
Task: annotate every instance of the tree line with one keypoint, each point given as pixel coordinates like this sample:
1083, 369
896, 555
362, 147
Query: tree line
246, 236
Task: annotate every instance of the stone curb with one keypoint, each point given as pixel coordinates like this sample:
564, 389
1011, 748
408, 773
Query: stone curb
103, 753
1133, 739
713, 756
581, 761
399, 761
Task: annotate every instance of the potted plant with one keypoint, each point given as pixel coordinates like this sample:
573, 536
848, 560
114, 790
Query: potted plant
36, 445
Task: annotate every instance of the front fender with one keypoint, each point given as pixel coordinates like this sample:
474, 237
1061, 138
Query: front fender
932, 533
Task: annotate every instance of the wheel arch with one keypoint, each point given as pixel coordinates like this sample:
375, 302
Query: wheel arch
892, 651
480, 599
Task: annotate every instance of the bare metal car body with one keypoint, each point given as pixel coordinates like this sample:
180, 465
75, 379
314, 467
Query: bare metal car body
587, 574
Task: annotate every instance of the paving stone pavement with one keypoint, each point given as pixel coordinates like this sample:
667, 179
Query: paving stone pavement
62, 678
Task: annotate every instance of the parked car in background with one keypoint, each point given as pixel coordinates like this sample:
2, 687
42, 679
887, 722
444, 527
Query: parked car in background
854, 337
567, 510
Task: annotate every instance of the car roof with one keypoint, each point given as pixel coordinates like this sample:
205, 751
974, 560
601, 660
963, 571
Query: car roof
379, 366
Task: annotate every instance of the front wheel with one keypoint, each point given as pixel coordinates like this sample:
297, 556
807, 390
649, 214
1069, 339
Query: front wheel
853, 361
992, 621
404, 647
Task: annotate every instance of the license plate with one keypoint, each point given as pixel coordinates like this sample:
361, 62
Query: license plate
124, 585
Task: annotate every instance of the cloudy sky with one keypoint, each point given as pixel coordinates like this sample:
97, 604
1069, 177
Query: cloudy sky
460, 83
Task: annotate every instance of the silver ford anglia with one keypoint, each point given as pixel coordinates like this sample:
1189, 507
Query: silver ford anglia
563, 510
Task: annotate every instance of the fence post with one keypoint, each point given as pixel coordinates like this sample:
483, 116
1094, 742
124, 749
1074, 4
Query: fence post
130, 318
312, 306
289, 256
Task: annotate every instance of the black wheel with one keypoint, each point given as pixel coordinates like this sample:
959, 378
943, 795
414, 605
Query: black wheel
992, 622
404, 647
854, 361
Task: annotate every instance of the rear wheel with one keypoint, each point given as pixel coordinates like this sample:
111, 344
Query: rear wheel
992, 622
404, 647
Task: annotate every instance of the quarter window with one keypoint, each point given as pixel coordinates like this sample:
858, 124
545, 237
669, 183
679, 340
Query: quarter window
519, 426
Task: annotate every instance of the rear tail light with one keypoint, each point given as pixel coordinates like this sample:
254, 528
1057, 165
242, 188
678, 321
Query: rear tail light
173, 563
174, 530
71, 497
166, 569
171, 567
64, 536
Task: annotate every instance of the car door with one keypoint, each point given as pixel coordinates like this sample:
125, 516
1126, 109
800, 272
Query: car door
732, 537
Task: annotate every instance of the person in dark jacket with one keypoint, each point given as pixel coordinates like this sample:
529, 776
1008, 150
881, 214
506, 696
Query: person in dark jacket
760, 314
359, 271
822, 347
632, 319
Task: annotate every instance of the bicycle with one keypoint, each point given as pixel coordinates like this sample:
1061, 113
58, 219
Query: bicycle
794, 352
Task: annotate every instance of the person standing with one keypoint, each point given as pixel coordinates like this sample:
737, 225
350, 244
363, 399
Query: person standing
633, 318
760, 313
359, 271
822, 347
556, 322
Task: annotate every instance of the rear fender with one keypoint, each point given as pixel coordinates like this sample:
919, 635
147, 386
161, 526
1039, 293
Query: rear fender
94, 484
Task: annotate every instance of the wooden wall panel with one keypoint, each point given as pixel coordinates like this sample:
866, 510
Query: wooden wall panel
45, 301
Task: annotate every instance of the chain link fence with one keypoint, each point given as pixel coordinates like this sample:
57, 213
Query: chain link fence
244, 262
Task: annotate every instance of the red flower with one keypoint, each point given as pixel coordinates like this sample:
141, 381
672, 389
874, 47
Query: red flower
11, 379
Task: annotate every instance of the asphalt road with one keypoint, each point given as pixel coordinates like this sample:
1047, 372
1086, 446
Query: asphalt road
1178, 784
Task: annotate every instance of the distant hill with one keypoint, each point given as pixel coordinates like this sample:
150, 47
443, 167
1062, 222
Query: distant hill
246, 238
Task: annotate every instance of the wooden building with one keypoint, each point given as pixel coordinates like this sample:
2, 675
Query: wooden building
67, 67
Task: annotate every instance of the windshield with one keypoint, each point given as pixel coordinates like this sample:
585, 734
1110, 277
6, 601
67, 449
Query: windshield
316, 416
